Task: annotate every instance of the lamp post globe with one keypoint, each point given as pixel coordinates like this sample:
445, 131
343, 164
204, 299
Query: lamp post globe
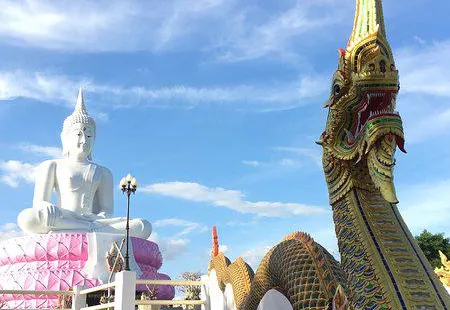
128, 186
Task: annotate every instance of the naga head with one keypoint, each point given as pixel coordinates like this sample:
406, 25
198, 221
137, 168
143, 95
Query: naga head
363, 127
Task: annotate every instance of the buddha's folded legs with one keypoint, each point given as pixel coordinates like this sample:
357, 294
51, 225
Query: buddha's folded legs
138, 227
36, 221
39, 221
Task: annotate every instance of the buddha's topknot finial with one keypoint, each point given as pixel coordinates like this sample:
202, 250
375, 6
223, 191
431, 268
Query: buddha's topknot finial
79, 115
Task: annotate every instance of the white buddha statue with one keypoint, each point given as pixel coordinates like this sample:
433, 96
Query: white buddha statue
84, 189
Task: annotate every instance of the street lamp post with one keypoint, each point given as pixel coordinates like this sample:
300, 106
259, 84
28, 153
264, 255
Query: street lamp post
128, 185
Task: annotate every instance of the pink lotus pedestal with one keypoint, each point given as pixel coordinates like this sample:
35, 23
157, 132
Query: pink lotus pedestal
60, 261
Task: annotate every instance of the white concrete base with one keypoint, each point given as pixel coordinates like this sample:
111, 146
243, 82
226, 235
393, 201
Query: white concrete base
98, 246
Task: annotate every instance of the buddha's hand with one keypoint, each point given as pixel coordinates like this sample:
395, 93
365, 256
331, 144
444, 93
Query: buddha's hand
102, 215
48, 213
93, 217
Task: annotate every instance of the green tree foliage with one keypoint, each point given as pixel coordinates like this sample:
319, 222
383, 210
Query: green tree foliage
431, 244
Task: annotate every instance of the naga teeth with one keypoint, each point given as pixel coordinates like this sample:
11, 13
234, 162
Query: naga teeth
375, 95
384, 111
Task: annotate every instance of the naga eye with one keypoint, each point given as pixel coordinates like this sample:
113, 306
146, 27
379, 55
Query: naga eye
336, 89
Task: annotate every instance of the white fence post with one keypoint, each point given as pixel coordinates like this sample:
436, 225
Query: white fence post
125, 290
78, 301
204, 293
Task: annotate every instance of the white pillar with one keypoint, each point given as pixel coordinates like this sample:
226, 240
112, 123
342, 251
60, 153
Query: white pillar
204, 293
78, 301
125, 293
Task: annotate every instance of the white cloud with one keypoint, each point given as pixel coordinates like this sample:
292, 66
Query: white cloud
234, 30
48, 151
253, 163
231, 199
9, 230
289, 162
223, 248
113, 25
420, 40
13, 172
276, 34
188, 226
253, 257
425, 89
313, 154
56, 25
102, 116
239, 223
38, 86
424, 69
426, 206
59, 89
170, 248
421, 127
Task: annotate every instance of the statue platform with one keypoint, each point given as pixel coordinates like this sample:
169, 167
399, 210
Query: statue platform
60, 261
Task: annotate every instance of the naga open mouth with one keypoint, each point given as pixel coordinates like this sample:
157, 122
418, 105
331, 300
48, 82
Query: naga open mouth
376, 105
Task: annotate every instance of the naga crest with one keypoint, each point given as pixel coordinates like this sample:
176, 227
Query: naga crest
363, 128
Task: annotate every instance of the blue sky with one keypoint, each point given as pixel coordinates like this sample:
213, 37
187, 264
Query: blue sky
214, 105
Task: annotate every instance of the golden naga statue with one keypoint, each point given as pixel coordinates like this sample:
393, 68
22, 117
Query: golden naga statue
444, 272
381, 267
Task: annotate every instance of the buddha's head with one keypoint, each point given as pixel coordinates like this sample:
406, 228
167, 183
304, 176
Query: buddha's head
78, 133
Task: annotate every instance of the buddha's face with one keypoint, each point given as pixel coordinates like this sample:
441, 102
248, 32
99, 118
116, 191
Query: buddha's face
78, 141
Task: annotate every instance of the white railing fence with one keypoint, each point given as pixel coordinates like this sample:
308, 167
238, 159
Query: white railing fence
156, 302
125, 294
